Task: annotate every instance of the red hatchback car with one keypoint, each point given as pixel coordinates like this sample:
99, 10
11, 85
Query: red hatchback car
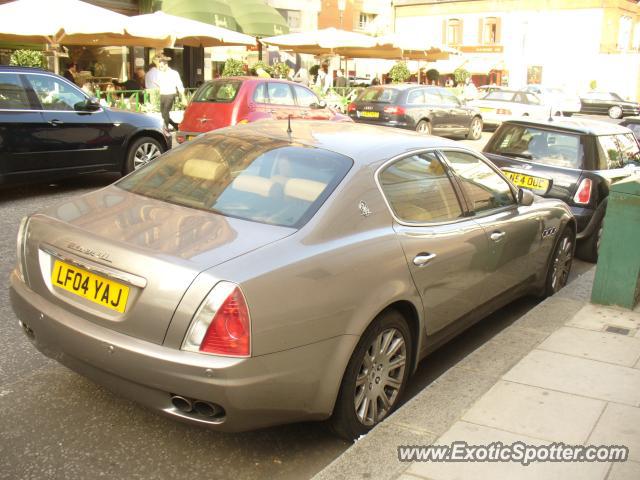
232, 100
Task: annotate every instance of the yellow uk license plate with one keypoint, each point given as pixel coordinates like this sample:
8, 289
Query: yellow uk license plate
527, 181
370, 114
88, 285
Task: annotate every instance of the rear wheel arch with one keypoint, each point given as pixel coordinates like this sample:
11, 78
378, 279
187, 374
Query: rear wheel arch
408, 310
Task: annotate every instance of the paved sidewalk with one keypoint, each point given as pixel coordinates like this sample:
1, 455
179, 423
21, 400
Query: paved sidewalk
558, 374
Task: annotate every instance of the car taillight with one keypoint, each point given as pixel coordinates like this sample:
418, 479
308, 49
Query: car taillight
180, 138
351, 107
503, 111
583, 195
222, 325
394, 110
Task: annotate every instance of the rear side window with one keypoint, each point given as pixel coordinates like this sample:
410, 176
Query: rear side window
415, 97
376, 94
280, 94
541, 146
252, 178
222, 91
483, 186
618, 150
419, 190
13, 96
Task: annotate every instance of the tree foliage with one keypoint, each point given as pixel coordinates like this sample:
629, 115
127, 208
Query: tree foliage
233, 68
433, 75
27, 58
460, 75
399, 72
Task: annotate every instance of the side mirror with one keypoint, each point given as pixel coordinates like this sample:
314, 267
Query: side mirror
92, 104
320, 104
525, 197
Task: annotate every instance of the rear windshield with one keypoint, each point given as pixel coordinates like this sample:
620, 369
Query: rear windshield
386, 95
222, 91
253, 178
550, 148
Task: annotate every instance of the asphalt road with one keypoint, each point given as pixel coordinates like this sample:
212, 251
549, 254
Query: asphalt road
55, 424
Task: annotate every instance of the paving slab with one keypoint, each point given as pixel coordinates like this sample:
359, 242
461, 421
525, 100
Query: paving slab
602, 346
619, 425
625, 471
537, 412
550, 315
580, 376
481, 435
598, 317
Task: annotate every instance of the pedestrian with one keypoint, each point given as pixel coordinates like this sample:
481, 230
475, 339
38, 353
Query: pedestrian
375, 81
324, 80
170, 84
71, 72
341, 81
302, 77
151, 77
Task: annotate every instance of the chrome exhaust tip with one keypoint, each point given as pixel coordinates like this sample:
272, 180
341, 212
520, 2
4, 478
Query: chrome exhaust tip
181, 403
206, 409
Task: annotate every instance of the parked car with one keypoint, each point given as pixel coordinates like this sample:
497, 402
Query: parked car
425, 109
484, 89
633, 124
574, 160
559, 101
500, 105
608, 103
50, 129
255, 277
231, 100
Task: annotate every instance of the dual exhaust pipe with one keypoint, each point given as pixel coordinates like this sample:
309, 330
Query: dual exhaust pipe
201, 407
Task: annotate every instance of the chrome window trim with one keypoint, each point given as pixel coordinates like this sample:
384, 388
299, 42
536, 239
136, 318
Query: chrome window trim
397, 219
103, 270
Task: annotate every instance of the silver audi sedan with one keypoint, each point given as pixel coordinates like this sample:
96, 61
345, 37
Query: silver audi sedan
258, 276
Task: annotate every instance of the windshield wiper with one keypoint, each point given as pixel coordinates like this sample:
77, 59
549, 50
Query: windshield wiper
526, 156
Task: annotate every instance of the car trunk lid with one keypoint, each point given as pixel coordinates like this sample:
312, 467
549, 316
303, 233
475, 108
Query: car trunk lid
142, 252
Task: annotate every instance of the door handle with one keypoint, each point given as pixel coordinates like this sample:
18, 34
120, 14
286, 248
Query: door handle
497, 236
423, 258
56, 122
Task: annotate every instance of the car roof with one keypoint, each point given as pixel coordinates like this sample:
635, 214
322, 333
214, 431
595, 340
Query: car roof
16, 68
574, 125
404, 86
365, 144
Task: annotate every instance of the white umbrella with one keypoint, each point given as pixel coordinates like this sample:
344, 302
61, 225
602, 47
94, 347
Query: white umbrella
68, 21
188, 32
328, 40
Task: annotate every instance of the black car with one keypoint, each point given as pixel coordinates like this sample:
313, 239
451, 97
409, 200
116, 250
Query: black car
633, 124
575, 160
608, 103
429, 110
50, 129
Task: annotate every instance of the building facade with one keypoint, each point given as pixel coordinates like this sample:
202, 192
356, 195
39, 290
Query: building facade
570, 43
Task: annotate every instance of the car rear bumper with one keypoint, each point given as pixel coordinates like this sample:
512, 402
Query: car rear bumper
583, 216
385, 123
292, 385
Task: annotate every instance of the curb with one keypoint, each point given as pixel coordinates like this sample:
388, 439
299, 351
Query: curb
431, 412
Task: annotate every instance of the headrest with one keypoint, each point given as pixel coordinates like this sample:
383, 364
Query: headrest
204, 169
303, 189
253, 184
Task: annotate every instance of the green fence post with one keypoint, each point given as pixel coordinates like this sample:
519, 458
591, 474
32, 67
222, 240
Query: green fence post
617, 280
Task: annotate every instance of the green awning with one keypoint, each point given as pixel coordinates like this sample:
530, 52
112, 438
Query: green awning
214, 12
255, 17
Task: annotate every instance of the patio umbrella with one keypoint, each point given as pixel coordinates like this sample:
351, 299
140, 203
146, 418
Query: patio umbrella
188, 32
68, 21
318, 42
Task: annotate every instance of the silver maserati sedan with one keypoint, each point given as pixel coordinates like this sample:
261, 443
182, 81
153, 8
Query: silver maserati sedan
259, 275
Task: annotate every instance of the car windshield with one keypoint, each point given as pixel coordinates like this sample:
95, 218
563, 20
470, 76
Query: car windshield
386, 95
557, 149
499, 95
217, 91
252, 177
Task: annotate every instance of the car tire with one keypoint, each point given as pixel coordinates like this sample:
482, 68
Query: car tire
141, 152
615, 112
560, 262
567, 114
588, 248
424, 127
475, 129
354, 413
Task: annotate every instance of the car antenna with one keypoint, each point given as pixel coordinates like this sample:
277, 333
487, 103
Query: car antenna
289, 131
550, 114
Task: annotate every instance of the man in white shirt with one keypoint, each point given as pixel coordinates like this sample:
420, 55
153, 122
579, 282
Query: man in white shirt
169, 83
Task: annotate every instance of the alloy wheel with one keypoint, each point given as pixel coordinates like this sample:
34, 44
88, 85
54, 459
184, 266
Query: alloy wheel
615, 112
144, 154
380, 377
424, 128
562, 264
476, 128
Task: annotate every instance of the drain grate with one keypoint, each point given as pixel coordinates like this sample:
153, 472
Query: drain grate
618, 330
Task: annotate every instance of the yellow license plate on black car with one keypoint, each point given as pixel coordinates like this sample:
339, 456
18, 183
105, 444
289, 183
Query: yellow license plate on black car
88, 285
527, 181
370, 114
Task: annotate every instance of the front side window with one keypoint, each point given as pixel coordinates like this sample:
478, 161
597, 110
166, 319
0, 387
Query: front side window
280, 94
419, 190
253, 178
556, 149
220, 91
485, 189
13, 96
54, 94
305, 97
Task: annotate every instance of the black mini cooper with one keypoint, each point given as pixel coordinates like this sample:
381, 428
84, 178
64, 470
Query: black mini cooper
575, 160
